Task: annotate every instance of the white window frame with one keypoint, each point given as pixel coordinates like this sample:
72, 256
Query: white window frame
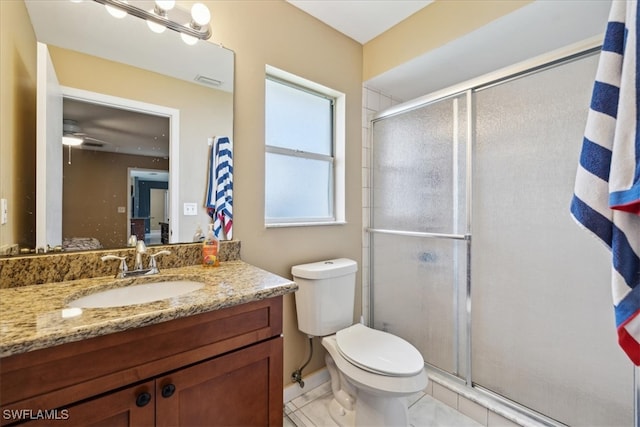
339, 139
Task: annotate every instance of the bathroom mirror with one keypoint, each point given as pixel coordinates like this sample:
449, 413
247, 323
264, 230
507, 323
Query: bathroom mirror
195, 80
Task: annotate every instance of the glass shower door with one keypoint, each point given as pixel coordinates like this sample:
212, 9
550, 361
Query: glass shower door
543, 326
419, 223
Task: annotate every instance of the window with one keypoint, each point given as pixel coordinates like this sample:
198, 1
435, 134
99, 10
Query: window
304, 163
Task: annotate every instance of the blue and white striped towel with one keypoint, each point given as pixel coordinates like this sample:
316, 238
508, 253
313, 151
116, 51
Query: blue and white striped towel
607, 190
219, 201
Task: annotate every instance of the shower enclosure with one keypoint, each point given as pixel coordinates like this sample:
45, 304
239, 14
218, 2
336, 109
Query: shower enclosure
474, 256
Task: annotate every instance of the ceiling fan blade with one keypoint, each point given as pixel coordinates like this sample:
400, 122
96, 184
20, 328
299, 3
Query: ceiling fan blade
97, 142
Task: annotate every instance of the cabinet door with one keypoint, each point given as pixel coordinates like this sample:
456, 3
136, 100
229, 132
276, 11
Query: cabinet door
132, 406
242, 388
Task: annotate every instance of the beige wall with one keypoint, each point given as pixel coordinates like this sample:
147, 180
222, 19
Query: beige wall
429, 28
89, 205
276, 33
17, 122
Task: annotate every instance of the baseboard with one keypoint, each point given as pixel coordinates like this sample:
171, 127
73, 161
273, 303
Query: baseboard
311, 381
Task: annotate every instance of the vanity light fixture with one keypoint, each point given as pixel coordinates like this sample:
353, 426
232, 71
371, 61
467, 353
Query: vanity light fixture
158, 19
160, 8
115, 12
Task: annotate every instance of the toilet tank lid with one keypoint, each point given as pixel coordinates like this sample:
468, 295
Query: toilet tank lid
325, 269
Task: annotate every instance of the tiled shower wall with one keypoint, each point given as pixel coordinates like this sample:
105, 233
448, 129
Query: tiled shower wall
373, 101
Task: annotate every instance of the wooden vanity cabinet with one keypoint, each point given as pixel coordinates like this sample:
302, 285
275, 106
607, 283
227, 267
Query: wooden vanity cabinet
222, 368
131, 406
231, 390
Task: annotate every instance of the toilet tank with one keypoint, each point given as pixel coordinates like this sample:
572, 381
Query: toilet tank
325, 295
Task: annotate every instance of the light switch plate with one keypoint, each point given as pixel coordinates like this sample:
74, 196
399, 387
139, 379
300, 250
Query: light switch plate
4, 212
191, 209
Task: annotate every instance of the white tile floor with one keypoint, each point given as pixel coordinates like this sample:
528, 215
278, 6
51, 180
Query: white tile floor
311, 410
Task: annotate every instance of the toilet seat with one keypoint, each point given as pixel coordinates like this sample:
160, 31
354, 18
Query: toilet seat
378, 352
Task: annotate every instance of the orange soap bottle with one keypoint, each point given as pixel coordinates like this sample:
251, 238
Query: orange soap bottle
210, 247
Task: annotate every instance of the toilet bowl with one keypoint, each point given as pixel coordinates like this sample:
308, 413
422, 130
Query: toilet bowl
371, 371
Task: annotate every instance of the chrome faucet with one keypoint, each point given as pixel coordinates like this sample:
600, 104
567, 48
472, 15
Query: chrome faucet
141, 248
138, 270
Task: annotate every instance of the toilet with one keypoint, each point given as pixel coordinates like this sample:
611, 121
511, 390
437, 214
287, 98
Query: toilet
371, 371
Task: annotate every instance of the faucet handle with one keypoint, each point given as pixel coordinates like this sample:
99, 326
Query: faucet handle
152, 260
123, 264
163, 252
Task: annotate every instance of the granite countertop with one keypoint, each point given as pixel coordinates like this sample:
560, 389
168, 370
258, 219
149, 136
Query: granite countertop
35, 317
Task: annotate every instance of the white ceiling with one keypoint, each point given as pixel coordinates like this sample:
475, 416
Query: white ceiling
362, 20
533, 30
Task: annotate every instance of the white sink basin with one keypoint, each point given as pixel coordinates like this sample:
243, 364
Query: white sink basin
136, 294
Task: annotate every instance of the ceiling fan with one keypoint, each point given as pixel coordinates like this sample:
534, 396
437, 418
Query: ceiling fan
72, 135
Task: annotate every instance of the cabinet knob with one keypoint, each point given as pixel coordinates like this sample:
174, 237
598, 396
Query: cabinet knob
168, 390
143, 399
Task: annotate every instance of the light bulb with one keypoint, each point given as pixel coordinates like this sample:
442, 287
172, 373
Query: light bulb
200, 14
165, 4
71, 140
190, 40
115, 12
155, 27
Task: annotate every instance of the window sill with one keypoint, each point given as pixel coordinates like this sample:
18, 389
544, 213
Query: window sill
303, 224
